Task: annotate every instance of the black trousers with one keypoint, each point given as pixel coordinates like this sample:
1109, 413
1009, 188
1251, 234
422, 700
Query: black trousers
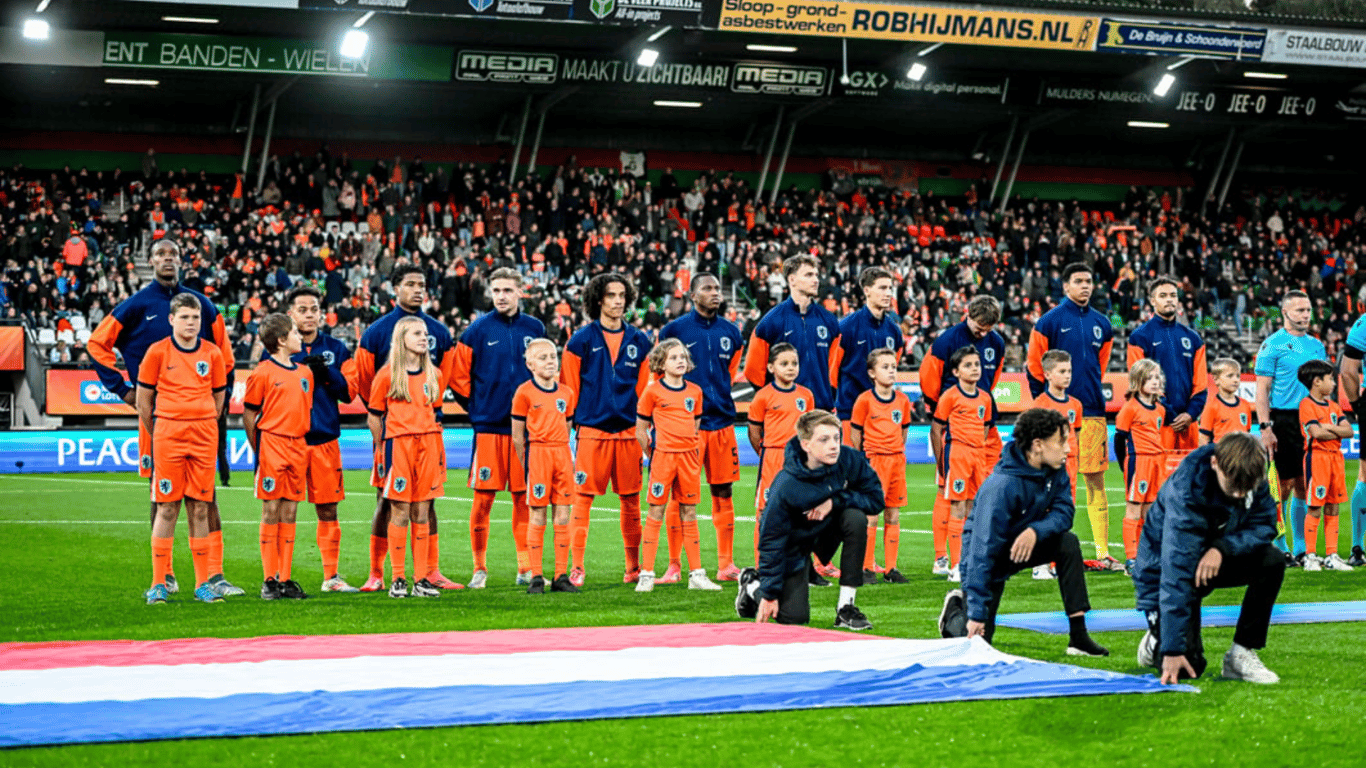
1064, 550
1262, 572
849, 535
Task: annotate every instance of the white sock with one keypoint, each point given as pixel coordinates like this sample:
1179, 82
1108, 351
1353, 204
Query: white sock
846, 596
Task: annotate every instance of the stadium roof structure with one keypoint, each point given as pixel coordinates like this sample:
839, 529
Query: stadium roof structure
1077, 106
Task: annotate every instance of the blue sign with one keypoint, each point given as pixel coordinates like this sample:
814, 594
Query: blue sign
1175, 39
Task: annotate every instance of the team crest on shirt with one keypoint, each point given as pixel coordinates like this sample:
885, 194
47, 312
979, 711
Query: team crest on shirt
329, 358
538, 490
959, 485
822, 332
164, 485
981, 411
399, 484
1095, 331
202, 368
1242, 419
484, 473
765, 495
896, 415
526, 342
267, 484
801, 405
656, 489
561, 405
631, 351
1142, 486
431, 347
689, 403
1185, 342
1071, 415
145, 461
890, 343
427, 392
988, 354
580, 478
1320, 492
1333, 417
725, 343
304, 383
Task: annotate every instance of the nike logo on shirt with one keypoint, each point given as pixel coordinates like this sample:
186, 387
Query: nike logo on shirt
491, 343
690, 346
598, 349
1157, 343
150, 318
863, 341
1064, 330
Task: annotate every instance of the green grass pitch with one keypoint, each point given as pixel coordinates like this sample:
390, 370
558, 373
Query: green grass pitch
77, 562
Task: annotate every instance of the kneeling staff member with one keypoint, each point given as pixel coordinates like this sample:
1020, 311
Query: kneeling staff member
820, 502
1022, 518
1211, 526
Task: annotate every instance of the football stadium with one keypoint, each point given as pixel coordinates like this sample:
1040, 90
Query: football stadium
689, 382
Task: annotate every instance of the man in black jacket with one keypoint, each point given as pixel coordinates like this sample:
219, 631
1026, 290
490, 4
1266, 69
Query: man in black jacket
820, 502
1212, 526
1022, 518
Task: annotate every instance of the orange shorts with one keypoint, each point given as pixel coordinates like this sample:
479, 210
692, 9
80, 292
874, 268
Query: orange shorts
616, 460
679, 474
414, 467
324, 474
281, 467
1325, 477
493, 464
185, 454
1143, 475
967, 468
891, 470
994, 447
770, 464
549, 475
720, 456
1185, 440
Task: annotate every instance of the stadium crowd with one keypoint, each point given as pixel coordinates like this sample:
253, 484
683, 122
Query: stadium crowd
70, 240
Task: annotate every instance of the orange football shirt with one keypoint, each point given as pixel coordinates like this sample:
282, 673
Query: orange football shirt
674, 413
882, 422
184, 379
777, 410
545, 411
1221, 417
1326, 414
401, 417
1070, 408
965, 416
1144, 425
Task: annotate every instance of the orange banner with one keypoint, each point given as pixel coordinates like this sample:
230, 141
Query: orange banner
72, 392
11, 348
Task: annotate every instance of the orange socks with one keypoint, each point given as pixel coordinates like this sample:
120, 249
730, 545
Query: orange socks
870, 551
161, 559
535, 546
479, 528
939, 523
1330, 534
561, 550
1311, 534
199, 550
284, 543
379, 547
692, 543
329, 544
758, 522
1133, 530
398, 542
723, 517
649, 543
215, 552
673, 522
630, 531
270, 550
891, 544
421, 550
521, 517
433, 548
578, 526
954, 540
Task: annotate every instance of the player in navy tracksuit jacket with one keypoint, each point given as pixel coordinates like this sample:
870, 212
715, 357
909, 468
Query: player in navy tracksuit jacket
1193, 516
1022, 518
1180, 353
813, 331
714, 343
490, 364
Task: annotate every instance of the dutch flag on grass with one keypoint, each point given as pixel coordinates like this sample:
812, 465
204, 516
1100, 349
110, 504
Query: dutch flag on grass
58, 693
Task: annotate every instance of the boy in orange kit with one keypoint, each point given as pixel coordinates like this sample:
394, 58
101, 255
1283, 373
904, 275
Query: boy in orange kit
671, 405
1138, 446
275, 414
1057, 374
181, 385
1225, 412
404, 403
880, 418
959, 439
1325, 473
541, 411
773, 415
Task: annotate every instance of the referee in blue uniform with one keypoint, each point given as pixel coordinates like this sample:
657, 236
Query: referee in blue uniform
1279, 393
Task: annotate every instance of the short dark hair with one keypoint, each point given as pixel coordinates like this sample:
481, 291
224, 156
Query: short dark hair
1242, 459
871, 275
303, 289
1076, 267
1037, 424
597, 288
797, 262
985, 309
695, 278
959, 354
882, 352
274, 328
1293, 295
779, 348
403, 270
1160, 281
1314, 369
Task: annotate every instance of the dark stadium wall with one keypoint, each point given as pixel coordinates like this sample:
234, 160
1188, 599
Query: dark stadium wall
221, 155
